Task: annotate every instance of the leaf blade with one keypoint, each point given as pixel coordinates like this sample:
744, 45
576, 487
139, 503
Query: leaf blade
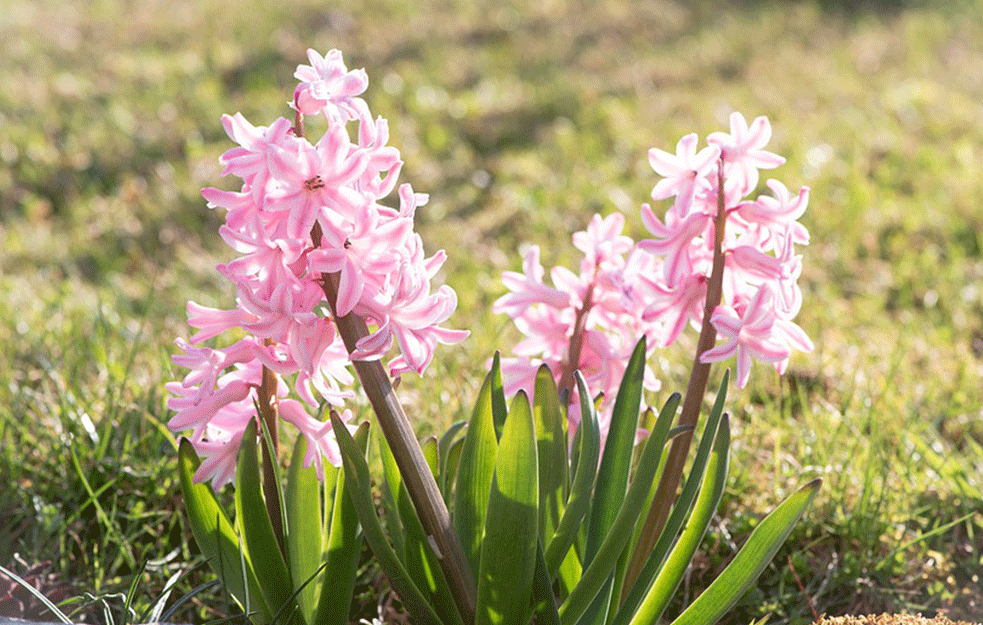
358, 483
751, 560
216, 537
476, 468
302, 497
508, 551
257, 530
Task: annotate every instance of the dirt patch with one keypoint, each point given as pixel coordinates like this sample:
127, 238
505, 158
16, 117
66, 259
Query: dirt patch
890, 619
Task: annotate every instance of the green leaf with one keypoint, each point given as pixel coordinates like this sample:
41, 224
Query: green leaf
588, 449
712, 489
449, 468
499, 404
448, 441
217, 540
612, 475
679, 512
508, 551
751, 560
392, 486
303, 512
551, 442
543, 602
342, 545
613, 547
358, 486
430, 454
418, 556
257, 531
477, 467
331, 474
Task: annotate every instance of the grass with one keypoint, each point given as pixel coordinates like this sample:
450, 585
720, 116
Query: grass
520, 122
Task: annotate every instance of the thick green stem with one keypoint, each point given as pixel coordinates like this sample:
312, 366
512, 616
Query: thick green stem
406, 449
695, 390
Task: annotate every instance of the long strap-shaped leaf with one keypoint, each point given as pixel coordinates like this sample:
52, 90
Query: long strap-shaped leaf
358, 483
418, 556
257, 531
448, 440
621, 529
711, 491
751, 560
303, 515
217, 540
551, 440
612, 475
589, 439
477, 466
679, 512
543, 601
342, 544
508, 550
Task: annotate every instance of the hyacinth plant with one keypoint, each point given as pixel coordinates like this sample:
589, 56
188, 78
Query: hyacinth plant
327, 277
527, 510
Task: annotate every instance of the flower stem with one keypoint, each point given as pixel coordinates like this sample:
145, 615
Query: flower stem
695, 391
402, 441
271, 490
576, 345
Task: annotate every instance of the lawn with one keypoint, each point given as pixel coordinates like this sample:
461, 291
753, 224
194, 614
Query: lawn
520, 120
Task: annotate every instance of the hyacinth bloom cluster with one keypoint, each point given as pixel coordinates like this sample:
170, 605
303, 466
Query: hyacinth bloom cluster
307, 213
659, 286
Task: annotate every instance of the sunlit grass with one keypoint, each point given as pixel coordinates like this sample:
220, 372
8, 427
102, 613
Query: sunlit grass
520, 122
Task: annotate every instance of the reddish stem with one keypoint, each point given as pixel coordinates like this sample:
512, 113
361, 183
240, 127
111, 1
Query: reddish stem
271, 490
395, 426
695, 390
576, 344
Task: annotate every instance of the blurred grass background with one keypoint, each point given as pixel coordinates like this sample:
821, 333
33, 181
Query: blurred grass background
521, 120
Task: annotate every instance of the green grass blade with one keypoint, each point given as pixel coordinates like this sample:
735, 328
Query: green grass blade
508, 551
131, 593
217, 539
112, 529
358, 485
551, 441
194, 592
679, 512
612, 475
672, 572
257, 531
302, 497
343, 547
476, 468
751, 560
612, 548
38, 595
152, 613
578, 505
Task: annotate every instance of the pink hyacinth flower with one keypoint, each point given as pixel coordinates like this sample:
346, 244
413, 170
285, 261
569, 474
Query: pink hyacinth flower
743, 151
748, 335
327, 85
